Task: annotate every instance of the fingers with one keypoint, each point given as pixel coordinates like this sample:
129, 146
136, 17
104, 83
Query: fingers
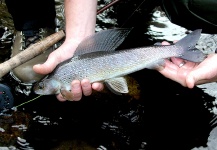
178, 61
165, 43
78, 89
196, 77
60, 98
86, 87
190, 81
76, 92
98, 86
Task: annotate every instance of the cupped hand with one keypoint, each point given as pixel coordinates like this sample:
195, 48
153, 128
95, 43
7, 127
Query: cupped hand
191, 74
64, 52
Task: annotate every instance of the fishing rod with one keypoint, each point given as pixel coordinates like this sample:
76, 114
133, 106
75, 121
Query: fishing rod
24, 56
42, 46
107, 6
112, 4
38, 48
133, 13
14, 108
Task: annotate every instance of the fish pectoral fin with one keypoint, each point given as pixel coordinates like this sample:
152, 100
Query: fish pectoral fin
66, 94
117, 85
158, 65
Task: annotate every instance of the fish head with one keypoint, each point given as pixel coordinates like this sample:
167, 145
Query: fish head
47, 87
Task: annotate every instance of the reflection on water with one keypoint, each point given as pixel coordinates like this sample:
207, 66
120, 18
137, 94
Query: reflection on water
158, 114
161, 28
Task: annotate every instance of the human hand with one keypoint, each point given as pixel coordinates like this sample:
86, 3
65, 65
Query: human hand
191, 74
64, 52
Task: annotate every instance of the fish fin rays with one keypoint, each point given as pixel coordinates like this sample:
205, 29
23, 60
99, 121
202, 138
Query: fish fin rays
106, 40
188, 43
117, 85
192, 55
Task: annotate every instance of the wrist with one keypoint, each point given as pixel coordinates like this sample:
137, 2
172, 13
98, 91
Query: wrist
73, 41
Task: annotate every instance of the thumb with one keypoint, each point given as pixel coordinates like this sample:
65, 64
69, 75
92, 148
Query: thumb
190, 80
195, 77
47, 67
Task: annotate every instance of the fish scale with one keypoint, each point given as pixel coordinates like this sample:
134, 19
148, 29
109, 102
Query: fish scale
117, 64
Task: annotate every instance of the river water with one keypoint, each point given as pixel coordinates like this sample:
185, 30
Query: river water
158, 113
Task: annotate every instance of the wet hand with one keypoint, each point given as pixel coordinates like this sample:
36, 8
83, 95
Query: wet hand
78, 88
178, 71
189, 73
204, 72
64, 52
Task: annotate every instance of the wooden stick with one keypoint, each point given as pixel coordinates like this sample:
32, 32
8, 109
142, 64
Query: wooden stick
31, 52
37, 48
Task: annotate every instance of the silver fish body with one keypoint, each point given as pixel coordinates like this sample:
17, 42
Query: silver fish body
111, 66
100, 66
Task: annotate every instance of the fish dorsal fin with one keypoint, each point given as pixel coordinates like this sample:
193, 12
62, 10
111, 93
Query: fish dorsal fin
105, 40
117, 85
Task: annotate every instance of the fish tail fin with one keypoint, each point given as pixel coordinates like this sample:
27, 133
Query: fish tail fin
188, 44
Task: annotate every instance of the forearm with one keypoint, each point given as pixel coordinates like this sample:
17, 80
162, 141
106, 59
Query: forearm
80, 18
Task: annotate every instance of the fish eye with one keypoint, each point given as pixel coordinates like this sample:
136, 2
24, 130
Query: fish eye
41, 85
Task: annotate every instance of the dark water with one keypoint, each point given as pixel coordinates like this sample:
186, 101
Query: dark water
161, 114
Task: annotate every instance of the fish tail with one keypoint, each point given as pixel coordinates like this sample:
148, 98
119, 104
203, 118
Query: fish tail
188, 43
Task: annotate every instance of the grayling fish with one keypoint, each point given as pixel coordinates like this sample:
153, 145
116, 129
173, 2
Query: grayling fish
96, 59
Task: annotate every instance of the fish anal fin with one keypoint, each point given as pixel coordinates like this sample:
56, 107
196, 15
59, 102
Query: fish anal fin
117, 85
